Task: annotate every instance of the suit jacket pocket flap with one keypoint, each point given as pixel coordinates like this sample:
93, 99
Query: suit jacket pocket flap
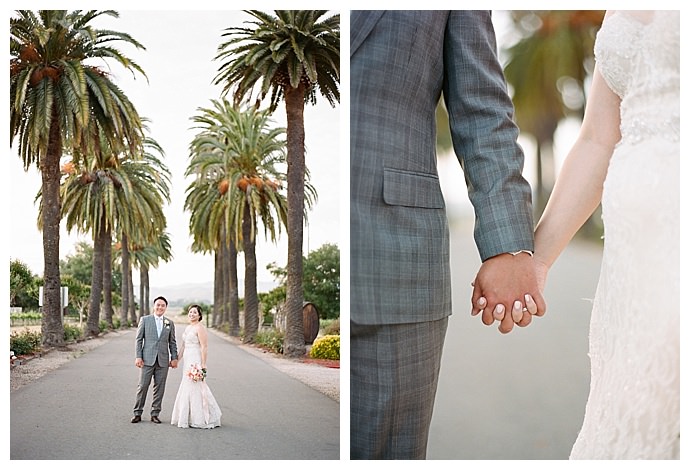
409, 189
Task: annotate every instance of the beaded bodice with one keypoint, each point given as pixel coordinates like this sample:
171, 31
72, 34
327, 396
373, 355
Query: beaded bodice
638, 54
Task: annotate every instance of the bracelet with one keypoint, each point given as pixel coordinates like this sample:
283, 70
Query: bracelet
515, 253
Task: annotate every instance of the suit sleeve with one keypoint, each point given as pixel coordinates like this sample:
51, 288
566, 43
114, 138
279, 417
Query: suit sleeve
139, 344
485, 135
172, 342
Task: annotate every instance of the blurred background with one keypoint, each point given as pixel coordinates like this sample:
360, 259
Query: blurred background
523, 395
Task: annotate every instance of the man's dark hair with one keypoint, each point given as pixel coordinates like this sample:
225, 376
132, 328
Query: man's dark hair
162, 298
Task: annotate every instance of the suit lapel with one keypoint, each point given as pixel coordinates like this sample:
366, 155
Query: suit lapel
361, 24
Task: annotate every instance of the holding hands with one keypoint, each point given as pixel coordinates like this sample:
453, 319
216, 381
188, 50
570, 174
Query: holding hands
508, 289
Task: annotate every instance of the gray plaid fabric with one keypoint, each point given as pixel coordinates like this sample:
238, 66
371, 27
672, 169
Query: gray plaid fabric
400, 62
392, 388
156, 351
400, 286
150, 347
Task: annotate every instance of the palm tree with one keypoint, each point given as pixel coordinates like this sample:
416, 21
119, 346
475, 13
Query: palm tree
87, 205
143, 222
148, 256
108, 192
203, 201
546, 68
238, 153
59, 101
296, 57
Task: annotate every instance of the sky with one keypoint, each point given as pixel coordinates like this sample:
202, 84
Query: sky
178, 60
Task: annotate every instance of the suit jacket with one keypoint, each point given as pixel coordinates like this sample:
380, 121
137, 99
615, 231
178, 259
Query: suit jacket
150, 347
400, 63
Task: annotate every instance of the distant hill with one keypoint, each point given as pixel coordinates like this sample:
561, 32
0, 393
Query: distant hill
183, 294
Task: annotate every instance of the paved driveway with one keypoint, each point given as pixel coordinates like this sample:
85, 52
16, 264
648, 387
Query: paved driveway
82, 411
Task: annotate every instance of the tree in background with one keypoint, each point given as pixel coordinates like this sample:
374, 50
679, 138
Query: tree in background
59, 100
24, 286
547, 69
238, 154
149, 256
320, 281
76, 273
295, 56
78, 296
115, 192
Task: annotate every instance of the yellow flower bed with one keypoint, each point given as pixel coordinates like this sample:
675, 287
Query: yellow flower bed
326, 347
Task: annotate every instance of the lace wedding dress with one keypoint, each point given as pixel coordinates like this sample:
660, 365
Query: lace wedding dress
195, 405
633, 410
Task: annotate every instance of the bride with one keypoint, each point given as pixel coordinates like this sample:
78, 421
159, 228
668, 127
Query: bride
627, 157
195, 405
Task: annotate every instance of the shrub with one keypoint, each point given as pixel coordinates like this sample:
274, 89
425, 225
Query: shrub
224, 327
27, 342
331, 327
72, 333
25, 319
326, 347
271, 339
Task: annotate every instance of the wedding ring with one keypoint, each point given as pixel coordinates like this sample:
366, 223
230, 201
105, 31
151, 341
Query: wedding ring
524, 309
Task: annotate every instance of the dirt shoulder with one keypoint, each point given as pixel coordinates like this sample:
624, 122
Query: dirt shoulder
30, 368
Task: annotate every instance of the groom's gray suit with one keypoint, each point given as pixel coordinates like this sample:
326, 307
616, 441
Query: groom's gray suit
400, 64
157, 352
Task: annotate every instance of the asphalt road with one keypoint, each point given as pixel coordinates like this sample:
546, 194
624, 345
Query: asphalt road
521, 395
82, 411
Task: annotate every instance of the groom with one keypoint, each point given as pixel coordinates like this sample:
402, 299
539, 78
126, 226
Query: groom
156, 350
401, 63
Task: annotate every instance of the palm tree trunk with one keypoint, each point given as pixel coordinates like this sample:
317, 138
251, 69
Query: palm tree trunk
96, 283
233, 291
52, 329
224, 286
124, 288
141, 289
108, 278
251, 300
132, 303
146, 282
223, 289
294, 331
218, 282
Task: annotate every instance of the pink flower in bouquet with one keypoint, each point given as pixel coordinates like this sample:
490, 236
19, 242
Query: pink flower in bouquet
196, 374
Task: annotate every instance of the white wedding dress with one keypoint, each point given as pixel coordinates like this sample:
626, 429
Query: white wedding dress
195, 405
633, 410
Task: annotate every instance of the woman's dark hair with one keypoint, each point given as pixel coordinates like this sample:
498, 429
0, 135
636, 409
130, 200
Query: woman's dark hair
198, 309
162, 298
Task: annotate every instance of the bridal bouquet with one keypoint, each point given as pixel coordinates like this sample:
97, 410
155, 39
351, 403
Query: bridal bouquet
196, 374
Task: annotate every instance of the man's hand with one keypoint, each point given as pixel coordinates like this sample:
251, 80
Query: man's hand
508, 280
173, 363
139, 362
